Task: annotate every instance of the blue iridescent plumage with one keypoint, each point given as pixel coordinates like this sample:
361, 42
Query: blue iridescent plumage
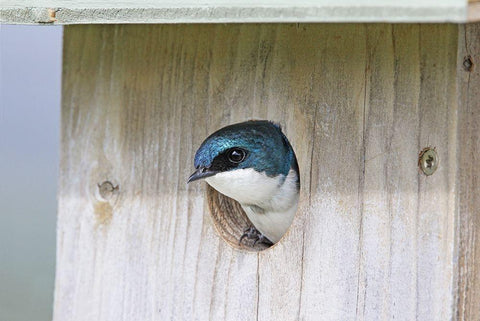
256, 137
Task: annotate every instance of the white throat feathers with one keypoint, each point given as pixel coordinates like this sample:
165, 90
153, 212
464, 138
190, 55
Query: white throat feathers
269, 202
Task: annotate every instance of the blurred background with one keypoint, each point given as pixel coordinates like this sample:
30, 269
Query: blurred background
30, 71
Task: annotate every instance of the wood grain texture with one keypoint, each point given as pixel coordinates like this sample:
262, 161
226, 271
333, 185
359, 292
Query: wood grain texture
468, 192
374, 239
222, 11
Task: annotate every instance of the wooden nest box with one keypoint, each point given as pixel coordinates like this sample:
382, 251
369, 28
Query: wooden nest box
144, 82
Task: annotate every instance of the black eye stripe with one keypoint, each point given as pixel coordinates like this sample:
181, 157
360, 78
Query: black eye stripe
229, 159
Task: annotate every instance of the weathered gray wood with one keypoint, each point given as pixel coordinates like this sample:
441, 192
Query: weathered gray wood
221, 11
467, 299
374, 238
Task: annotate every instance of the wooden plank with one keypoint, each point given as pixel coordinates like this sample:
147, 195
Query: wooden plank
467, 298
222, 11
331, 229
436, 193
402, 184
374, 238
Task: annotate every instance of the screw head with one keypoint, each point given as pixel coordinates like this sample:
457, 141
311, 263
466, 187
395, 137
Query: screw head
428, 161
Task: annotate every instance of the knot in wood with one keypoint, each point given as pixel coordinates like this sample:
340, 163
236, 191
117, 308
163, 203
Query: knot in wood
107, 190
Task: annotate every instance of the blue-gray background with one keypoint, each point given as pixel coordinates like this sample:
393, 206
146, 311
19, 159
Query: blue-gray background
30, 70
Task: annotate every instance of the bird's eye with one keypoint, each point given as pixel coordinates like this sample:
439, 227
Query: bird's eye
236, 155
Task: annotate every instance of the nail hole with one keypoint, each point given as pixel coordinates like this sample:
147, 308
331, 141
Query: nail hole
468, 63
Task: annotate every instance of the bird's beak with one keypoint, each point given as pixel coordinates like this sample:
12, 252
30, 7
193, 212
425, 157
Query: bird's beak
201, 172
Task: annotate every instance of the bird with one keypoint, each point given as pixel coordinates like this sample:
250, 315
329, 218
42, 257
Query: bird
253, 163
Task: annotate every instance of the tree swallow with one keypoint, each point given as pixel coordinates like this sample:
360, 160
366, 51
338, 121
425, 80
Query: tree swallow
253, 163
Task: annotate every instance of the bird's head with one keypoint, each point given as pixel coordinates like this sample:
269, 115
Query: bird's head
238, 159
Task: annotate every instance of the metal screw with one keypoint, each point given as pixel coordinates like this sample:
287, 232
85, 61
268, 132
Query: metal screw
467, 63
428, 161
106, 190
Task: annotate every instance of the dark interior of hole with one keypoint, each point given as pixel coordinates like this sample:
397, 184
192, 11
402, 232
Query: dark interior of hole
230, 220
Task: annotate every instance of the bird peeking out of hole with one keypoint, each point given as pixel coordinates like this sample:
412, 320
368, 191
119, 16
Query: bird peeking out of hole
253, 163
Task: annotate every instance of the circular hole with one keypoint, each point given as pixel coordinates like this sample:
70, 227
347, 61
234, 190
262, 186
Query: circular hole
252, 181
230, 220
